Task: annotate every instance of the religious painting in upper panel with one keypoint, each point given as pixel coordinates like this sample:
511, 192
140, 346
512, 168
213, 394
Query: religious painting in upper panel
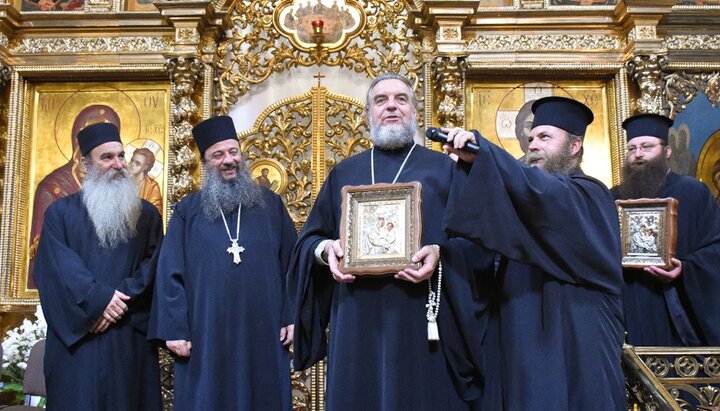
501, 111
494, 3
140, 5
58, 112
50, 5
330, 23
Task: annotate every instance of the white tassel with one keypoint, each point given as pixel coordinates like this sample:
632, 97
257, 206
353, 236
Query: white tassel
433, 334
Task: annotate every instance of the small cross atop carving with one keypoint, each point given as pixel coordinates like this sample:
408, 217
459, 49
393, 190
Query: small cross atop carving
319, 76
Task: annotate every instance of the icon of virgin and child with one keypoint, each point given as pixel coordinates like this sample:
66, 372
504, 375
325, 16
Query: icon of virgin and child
67, 179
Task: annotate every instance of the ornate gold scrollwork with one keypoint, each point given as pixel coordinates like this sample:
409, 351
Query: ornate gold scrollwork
646, 70
692, 42
449, 80
642, 33
686, 366
307, 135
683, 378
711, 366
119, 44
255, 49
523, 42
658, 365
184, 75
346, 129
686, 395
681, 88
283, 133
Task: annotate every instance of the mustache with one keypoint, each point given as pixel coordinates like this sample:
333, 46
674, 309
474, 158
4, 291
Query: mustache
234, 166
533, 156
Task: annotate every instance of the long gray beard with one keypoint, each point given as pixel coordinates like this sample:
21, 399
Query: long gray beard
113, 205
392, 137
218, 194
644, 180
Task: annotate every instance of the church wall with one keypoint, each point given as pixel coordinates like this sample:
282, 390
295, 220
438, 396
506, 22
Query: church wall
236, 57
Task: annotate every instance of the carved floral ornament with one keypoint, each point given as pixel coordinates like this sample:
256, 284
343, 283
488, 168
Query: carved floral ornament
681, 89
257, 46
692, 42
449, 74
646, 70
185, 73
642, 33
449, 33
484, 42
124, 44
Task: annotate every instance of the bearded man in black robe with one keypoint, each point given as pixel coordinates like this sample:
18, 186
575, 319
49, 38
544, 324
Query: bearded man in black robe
675, 306
94, 269
554, 337
379, 356
220, 303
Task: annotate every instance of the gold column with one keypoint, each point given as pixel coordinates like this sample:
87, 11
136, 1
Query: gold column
185, 73
4, 79
319, 169
449, 73
645, 50
646, 70
195, 24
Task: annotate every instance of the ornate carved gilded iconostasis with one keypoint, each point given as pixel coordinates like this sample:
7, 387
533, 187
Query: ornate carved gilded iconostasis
293, 75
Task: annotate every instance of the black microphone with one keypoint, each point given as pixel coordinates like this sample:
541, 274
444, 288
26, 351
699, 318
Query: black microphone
435, 134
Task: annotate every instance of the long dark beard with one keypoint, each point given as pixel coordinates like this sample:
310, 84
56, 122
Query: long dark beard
113, 205
644, 180
218, 194
560, 163
393, 136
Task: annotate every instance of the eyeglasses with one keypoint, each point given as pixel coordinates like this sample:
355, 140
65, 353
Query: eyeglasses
645, 148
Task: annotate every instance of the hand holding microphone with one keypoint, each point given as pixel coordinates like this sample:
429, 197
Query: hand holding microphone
435, 134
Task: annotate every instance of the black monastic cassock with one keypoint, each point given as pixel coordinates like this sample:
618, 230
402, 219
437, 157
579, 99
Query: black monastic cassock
116, 369
232, 313
684, 312
379, 357
555, 334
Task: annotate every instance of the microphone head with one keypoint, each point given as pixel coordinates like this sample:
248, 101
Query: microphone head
432, 133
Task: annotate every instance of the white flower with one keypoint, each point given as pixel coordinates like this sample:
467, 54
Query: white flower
18, 342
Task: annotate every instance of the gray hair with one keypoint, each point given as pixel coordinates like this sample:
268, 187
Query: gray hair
390, 76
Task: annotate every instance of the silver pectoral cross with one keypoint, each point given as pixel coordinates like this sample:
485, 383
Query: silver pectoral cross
235, 250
